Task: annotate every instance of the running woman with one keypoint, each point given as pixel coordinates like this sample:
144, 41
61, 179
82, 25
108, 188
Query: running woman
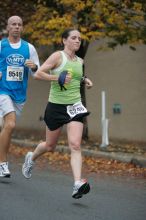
65, 71
18, 58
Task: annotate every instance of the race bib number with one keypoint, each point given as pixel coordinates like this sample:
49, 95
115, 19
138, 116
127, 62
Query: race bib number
15, 73
76, 109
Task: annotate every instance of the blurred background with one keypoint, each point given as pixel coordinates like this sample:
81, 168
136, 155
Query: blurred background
114, 51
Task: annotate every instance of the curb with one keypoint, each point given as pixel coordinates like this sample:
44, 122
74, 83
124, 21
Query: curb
135, 159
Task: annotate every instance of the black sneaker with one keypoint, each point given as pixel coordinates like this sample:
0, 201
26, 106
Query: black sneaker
80, 189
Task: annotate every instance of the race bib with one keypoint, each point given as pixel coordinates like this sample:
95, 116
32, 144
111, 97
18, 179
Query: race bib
15, 73
76, 109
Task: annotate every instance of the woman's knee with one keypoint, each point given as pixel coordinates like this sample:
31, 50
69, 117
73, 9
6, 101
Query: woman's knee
75, 146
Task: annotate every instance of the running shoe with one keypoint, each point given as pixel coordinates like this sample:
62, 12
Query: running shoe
28, 165
80, 189
4, 171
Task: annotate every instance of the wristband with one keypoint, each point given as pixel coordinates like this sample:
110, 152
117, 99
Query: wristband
83, 79
35, 69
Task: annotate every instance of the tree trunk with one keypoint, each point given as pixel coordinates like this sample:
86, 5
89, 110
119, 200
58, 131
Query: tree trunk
81, 53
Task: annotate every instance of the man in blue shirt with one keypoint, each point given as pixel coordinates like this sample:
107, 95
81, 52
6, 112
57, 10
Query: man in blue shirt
18, 59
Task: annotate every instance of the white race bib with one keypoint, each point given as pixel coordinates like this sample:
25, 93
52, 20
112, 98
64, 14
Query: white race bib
15, 73
76, 109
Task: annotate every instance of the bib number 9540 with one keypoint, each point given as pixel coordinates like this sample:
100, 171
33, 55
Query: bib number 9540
76, 109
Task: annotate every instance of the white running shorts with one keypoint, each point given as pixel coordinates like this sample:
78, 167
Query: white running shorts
7, 106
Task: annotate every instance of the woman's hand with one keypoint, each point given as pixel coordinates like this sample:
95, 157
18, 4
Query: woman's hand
88, 83
68, 78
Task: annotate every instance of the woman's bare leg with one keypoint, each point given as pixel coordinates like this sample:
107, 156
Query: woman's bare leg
48, 145
74, 132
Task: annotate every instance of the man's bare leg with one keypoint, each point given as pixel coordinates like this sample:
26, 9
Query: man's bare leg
5, 135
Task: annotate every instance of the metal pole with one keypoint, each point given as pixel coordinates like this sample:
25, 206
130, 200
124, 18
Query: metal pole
104, 122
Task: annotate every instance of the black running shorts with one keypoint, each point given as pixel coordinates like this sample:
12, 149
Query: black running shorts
56, 116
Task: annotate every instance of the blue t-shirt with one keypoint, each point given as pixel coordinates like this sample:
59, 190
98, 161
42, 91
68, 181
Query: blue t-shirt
14, 72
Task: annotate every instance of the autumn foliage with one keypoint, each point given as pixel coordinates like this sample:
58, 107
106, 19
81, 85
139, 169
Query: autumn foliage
120, 22
61, 161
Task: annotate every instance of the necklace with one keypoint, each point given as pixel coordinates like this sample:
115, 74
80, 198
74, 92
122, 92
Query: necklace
73, 58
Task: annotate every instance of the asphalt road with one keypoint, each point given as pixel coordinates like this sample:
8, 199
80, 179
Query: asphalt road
47, 196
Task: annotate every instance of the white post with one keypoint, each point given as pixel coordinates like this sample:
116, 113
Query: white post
103, 114
104, 122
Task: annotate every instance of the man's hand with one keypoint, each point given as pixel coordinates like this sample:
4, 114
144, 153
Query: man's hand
31, 65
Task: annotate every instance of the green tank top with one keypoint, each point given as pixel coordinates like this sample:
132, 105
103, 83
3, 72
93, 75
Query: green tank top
72, 94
